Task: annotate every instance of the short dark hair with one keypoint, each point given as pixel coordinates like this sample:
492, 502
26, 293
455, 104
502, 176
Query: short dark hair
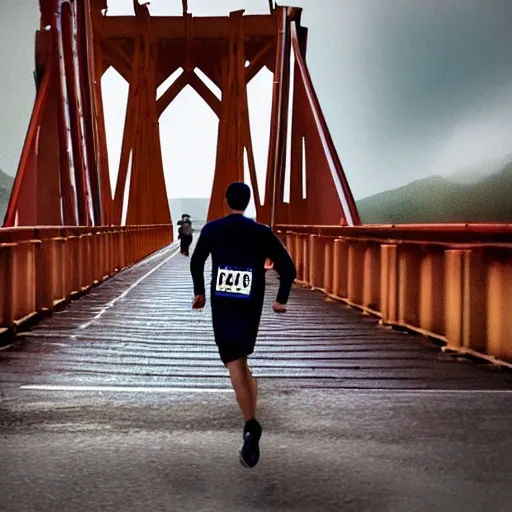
238, 195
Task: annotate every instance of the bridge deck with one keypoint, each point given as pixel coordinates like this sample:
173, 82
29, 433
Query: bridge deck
137, 329
94, 414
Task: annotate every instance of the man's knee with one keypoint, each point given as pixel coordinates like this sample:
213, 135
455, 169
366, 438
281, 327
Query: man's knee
237, 364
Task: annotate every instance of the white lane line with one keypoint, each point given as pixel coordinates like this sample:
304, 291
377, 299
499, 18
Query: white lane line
161, 389
402, 392
443, 391
112, 303
122, 389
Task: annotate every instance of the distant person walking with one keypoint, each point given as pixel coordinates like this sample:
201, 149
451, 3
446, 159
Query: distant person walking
185, 233
239, 248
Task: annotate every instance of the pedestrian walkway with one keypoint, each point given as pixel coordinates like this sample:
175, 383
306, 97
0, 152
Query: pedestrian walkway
138, 330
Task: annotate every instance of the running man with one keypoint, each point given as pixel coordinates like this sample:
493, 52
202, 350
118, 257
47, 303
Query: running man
239, 248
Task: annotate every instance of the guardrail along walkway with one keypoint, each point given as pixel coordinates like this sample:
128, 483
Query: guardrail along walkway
137, 329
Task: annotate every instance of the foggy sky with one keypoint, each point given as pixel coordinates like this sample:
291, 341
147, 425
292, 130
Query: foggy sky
409, 88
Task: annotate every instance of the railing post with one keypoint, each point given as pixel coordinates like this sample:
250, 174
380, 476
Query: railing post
499, 310
306, 251
7, 285
340, 268
455, 307
24, 280
121, 254
87, 261
59, 266
112, 251
389, 283
328, 265
97, 255
42, 302
431, 292
476, 293
408, 285
131, 246
106, 254
299, 256
72, 263
355, 272
316, 261
107, 269
371, 276
45, 275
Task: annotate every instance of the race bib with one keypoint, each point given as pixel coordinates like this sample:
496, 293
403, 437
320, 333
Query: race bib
234, 282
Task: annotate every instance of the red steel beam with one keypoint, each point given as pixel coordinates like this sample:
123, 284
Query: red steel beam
208, 29
85, 49
338, 175
456, 233
69, 36
220, 46
202, 89
30, 141
276, 117
259, 61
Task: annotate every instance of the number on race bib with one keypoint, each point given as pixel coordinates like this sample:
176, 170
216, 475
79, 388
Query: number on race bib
234, 282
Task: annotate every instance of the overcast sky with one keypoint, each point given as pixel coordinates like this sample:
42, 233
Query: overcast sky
409, 88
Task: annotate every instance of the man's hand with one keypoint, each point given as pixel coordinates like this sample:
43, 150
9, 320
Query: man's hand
278, 308
199, 302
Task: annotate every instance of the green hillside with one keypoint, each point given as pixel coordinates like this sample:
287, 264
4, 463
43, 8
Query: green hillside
5, 191
436, 199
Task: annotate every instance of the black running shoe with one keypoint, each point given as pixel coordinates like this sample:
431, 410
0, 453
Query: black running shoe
250, 452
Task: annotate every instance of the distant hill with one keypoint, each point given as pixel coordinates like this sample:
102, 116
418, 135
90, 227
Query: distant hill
6, 182
436, 199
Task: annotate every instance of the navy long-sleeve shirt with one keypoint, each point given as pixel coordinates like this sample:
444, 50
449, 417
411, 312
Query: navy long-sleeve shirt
236, 242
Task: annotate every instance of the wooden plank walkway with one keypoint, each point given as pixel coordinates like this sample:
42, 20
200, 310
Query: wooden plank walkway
137, 330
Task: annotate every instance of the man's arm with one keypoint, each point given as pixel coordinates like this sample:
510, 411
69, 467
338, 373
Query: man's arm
283, 264
199, 257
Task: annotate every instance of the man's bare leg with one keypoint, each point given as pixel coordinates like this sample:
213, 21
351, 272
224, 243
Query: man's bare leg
254, 391
245, 387
246, 391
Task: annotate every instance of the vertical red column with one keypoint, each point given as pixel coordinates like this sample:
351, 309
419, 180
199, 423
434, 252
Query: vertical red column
232, 131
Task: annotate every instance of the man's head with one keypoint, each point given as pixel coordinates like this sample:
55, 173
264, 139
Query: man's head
238, 196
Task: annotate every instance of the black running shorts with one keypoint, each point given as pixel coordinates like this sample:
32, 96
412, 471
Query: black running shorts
235, 329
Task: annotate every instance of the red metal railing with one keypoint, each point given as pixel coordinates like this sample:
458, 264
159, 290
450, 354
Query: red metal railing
449, 281
43, 267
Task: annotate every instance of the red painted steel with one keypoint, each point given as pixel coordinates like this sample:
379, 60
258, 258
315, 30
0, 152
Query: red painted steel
44, 267
29, 145
69, 172
344, 194
471, 233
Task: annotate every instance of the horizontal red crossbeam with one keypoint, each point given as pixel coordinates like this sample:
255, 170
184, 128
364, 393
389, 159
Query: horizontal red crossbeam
496, 233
